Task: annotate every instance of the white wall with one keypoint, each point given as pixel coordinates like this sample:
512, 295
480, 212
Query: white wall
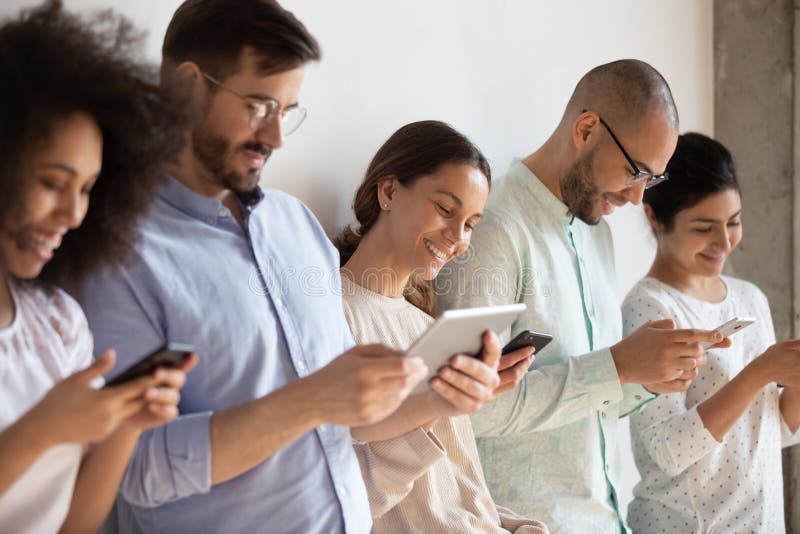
500, 71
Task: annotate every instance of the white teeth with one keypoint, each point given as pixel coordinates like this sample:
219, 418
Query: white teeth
48, 243
435, 251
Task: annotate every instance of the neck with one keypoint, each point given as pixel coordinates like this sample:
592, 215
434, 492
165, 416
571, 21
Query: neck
6, 302
194, 175
374, 265
706, 288
546, 164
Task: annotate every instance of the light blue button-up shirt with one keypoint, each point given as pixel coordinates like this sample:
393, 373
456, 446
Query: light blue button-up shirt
262, 305
549, 446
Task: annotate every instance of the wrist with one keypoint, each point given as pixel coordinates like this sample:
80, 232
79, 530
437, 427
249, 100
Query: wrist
759, 372
616, 358
308, 401
38, 434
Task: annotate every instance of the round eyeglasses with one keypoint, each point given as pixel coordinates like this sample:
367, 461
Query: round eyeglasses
263, 110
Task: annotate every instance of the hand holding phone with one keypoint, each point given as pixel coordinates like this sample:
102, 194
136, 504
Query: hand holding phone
528, 338
169, 355
729, 328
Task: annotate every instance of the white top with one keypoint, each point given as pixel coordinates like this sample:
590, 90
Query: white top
422, 481
47, 341
549, 446
691, 482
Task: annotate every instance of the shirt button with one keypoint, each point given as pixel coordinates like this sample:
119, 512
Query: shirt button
224, 212
637, 397
342, 489
301, 365
606, 403
323, 428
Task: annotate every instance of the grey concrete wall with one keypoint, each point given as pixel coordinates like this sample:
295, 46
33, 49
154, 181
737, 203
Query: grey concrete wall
754, 64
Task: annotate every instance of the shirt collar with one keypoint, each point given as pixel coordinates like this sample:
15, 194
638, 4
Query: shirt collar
201, 207
527, 181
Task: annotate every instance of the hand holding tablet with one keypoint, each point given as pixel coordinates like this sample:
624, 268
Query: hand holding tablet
460, 332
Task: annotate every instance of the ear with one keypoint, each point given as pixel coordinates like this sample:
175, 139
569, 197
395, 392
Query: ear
189, 73
585, 129
387, 187
657, 227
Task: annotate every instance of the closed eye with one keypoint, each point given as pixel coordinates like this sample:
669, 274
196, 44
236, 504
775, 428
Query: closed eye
446, 212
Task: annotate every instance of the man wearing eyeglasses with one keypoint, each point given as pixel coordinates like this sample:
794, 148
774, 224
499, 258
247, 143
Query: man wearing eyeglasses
548, 447
262, 443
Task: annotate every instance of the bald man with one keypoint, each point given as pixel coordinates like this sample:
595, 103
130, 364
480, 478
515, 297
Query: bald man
549, 446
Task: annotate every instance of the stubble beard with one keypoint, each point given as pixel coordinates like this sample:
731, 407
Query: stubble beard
579, 191
214, 152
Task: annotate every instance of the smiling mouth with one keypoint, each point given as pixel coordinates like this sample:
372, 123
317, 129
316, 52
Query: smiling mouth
436, 251
42, 244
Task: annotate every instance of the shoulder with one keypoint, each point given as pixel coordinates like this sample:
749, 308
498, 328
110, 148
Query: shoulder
290, 215
44, 306
747, 292
648, 299
50, 302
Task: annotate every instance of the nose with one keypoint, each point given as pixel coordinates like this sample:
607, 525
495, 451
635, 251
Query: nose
634, 193
73, 207
722, 238
269, 132
456, 232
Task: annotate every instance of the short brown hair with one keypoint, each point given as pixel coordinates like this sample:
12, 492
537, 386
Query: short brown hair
213, 33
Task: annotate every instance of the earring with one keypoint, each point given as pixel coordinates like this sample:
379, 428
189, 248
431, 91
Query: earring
386, 206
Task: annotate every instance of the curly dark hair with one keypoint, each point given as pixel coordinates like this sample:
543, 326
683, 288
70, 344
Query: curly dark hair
55, 63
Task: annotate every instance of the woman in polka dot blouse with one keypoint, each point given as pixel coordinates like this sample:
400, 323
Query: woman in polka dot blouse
710, 458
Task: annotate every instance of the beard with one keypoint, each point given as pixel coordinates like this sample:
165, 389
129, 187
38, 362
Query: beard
579, 191
215, 151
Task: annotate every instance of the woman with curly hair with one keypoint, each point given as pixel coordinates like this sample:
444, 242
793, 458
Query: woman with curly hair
76, 117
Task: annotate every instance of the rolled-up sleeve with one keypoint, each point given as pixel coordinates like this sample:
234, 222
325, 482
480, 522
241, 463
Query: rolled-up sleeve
170, 462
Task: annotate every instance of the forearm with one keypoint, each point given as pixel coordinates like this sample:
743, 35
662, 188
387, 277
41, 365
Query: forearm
721, 411
790, 407
245, 436
20, 446
98, 481
415, 412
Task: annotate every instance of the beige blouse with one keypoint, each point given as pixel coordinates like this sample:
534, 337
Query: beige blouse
422, 481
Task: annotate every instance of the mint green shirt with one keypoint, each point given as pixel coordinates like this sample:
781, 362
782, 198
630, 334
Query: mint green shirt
549, 447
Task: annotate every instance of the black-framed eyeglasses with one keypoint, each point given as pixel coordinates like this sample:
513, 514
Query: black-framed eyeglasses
263, 110
639, 175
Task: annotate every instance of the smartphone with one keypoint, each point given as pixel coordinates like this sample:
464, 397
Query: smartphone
170, 355
730, 328
528, 338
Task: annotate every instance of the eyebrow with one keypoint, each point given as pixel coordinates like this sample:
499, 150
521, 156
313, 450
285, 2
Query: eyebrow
61, 167
716, 220
451, 195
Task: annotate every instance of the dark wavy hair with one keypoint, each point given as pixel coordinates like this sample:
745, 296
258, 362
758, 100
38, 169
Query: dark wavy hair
413, 151
55, 63
699, 168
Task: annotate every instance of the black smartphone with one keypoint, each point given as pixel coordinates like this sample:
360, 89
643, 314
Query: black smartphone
170, 355
528, 338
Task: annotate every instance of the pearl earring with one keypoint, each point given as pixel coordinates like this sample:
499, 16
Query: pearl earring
386, 206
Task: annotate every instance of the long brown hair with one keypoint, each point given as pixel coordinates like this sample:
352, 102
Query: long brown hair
413, 151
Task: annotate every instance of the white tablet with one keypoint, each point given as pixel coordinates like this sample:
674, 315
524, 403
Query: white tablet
460, 332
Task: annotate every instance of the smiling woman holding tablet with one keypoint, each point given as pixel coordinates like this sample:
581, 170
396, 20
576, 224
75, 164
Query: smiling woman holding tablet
423, 193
